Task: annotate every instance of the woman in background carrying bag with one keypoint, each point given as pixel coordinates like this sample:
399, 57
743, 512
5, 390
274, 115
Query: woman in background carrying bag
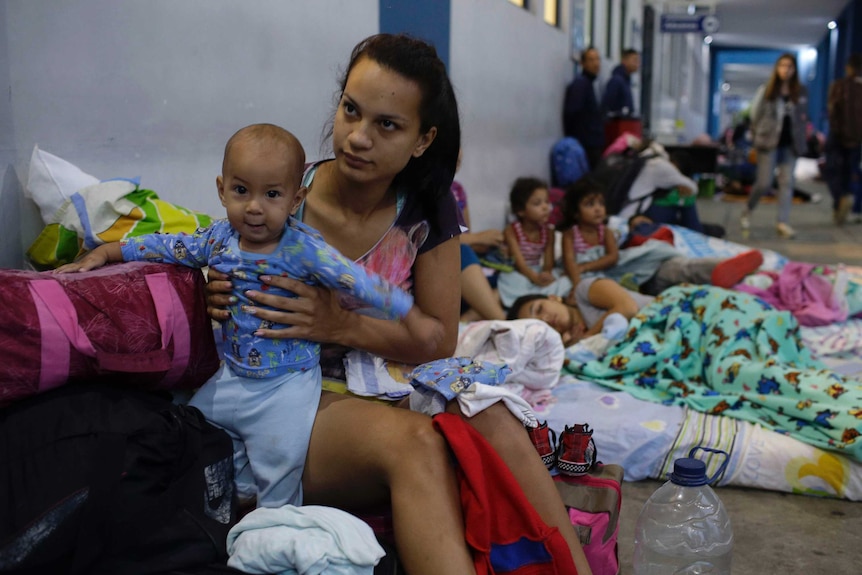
778, 116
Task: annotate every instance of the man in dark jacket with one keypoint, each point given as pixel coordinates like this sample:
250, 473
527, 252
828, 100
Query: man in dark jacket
618, 100
582, 116
844, 141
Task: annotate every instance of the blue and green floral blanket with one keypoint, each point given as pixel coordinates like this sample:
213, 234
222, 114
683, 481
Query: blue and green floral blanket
724, 352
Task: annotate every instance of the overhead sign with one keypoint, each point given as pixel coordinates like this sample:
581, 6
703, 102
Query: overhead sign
685, 23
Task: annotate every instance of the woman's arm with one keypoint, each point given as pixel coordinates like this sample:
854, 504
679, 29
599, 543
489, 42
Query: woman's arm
608, 295
516, 255
609, 260
429, 332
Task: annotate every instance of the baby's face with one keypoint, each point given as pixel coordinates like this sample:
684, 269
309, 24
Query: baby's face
260, 190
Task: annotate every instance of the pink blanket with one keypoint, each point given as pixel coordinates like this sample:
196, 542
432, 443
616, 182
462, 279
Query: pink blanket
805, 294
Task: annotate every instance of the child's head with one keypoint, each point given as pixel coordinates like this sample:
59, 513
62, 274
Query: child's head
549, 309
529, 200
260, 183
584, 204
638, 220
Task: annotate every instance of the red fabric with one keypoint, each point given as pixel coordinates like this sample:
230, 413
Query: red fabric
497, 515
664, 234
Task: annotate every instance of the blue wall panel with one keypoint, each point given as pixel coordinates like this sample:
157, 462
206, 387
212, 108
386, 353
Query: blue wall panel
425, 19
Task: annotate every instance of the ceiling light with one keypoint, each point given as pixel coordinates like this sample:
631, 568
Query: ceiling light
707, 39
832, 25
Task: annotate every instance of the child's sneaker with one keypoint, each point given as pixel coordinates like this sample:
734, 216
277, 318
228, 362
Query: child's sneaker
544, 440
576, 453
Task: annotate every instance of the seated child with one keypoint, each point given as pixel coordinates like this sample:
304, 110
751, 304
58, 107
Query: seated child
265, 395
588, 247
530, 240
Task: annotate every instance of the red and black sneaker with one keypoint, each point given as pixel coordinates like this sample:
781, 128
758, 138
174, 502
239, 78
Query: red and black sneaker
544, 440
576, 453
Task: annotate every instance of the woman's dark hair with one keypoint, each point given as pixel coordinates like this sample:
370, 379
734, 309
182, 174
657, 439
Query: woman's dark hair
515, 309
431, 174
773, 86
574, 195
521, 191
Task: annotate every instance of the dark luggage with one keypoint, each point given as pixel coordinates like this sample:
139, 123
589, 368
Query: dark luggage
105, 480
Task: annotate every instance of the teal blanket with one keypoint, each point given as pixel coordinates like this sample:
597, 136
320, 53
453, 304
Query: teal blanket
730, 353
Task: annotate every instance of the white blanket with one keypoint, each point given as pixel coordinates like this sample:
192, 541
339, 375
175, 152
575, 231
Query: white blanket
530, 347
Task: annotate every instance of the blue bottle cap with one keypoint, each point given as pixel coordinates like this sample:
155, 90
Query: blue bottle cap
689, 472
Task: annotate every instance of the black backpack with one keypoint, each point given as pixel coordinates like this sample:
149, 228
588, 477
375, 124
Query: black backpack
105, 480
616, 173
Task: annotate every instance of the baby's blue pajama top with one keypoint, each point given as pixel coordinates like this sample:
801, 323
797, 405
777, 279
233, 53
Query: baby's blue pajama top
301, 254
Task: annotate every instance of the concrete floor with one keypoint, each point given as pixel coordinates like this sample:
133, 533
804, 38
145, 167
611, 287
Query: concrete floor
778, 533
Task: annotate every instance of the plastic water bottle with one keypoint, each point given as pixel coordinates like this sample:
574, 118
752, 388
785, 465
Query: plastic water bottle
683, 529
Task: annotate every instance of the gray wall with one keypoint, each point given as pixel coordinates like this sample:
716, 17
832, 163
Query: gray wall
125, 88
510, 71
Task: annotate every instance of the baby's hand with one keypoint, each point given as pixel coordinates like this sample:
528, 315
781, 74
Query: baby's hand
544, 278
94, 259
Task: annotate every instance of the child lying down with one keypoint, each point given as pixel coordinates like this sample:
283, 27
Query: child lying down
715, 351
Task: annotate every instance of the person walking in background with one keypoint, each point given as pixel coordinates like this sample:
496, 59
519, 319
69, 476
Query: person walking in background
582, 116
778, 116
618, 100
844, 142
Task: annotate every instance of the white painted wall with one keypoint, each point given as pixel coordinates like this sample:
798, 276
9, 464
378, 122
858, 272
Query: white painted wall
510, 71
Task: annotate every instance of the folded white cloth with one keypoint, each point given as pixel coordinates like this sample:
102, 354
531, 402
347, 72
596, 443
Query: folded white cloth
475, 399
304, 540
530, 347
368, 375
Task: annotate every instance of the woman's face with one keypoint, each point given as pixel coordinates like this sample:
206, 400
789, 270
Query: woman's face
785, 69
377, 125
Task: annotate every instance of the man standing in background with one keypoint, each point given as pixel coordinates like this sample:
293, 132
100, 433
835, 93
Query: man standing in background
618, 100
582, 117
845, 141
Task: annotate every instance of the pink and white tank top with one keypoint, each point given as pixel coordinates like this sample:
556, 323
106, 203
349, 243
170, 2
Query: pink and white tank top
532, 251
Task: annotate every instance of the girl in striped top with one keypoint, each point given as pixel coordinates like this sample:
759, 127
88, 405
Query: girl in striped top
530, 239
588, 247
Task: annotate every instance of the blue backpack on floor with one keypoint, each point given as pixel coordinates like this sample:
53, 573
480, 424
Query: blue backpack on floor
568, 162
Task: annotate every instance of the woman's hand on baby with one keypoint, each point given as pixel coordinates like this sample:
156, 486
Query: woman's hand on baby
315, 313
218, 295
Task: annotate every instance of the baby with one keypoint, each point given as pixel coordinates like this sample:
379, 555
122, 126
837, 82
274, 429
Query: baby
266, 394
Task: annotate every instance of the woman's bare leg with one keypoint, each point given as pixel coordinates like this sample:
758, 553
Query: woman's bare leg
479, 295
364, 455
506, 434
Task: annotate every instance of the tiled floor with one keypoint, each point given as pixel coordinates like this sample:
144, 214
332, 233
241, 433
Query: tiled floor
778, 533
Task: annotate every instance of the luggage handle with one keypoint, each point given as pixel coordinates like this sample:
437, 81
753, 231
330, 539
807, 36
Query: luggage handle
53, 303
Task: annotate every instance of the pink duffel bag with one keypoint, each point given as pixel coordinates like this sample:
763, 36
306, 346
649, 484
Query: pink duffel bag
134, 324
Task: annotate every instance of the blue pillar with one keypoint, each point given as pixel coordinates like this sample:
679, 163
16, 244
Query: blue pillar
425, 19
